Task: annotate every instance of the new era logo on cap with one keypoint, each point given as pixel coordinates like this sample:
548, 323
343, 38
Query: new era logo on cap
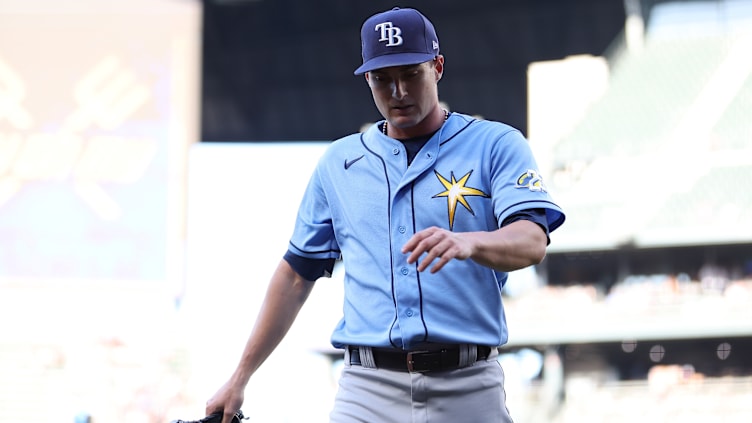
397, 37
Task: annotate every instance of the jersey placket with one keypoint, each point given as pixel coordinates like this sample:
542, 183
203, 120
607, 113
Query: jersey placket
407, 288
406, 278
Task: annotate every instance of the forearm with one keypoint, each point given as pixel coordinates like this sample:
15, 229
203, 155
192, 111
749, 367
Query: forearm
284, 298
512, 247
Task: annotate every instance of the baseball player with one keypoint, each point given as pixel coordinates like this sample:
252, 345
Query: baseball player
428, 210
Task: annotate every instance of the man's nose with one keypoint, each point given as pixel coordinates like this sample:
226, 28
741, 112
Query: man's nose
399, 89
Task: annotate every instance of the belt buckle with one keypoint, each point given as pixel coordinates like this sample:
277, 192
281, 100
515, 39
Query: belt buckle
411, 356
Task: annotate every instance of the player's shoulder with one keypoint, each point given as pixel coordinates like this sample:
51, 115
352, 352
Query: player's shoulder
347, 140
345, 143
474, 125
345, 146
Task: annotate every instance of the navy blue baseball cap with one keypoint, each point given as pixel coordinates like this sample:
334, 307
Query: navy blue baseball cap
397, 37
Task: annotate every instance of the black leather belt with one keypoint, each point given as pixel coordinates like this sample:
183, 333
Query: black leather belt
418, 361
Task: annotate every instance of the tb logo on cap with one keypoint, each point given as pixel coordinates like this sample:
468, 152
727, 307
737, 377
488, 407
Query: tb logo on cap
389, 33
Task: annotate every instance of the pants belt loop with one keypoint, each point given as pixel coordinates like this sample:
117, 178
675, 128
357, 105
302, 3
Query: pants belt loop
366, 357
468, 354
493, 355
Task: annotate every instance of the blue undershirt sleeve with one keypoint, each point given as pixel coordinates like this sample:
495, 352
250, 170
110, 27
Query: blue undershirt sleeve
310, 269
534, 215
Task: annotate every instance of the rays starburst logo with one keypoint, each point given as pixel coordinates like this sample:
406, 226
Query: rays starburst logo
455, 192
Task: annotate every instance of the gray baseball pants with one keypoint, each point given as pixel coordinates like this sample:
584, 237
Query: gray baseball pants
473, 394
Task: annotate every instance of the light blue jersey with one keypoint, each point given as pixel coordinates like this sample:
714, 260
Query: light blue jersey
363, 202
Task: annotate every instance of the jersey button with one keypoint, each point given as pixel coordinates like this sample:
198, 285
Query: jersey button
402, 229
395, 151
404, 271
409, 313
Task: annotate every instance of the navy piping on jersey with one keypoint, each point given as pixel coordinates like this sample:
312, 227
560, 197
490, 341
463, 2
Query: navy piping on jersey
457, 133
389, 218
420, 287
331, 250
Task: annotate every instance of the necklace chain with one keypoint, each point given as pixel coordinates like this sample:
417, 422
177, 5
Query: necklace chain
446, 116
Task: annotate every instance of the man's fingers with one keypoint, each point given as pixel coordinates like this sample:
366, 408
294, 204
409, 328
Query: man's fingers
436, 246
441, 251
442, 261
443, 254
429, 242
415, 240
423, 247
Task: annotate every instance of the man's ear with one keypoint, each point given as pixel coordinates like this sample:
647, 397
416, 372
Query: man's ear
438, 67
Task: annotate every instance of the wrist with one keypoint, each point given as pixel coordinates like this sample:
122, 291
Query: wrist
240, 377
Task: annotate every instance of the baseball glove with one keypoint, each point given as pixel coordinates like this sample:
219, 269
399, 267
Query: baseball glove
215, 418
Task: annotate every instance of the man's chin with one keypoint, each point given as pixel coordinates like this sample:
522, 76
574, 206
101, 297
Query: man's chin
402, 122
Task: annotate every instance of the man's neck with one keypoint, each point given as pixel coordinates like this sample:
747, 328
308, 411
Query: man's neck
429, 125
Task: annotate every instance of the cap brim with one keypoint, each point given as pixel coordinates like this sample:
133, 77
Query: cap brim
388, 60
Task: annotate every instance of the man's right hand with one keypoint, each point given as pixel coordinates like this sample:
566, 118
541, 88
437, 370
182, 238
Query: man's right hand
227, 400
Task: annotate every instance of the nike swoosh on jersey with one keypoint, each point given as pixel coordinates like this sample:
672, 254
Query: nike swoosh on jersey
349, 163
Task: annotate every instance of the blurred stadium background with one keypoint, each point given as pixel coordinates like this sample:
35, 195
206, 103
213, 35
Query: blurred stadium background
152, 155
